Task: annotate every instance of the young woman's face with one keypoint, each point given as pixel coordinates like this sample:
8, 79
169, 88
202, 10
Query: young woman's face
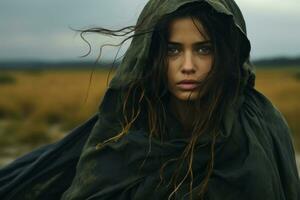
190, 58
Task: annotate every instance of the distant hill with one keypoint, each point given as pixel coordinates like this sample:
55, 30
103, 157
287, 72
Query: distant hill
268, 62
54, 65
277, 62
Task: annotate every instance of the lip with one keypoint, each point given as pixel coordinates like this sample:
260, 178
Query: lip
188, 84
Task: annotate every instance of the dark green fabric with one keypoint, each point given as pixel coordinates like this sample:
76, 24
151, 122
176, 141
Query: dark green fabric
254, 155
254, 160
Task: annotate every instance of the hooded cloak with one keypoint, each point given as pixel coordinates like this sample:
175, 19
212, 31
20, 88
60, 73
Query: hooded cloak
254, 155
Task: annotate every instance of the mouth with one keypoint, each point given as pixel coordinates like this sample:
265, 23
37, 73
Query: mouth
188, 84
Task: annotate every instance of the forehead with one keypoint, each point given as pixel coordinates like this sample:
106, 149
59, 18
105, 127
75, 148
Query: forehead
183, 29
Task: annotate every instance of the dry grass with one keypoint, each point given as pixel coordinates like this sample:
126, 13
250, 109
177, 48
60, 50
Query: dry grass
38, 107
39, 100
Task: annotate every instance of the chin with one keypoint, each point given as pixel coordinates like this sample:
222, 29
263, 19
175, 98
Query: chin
186, 95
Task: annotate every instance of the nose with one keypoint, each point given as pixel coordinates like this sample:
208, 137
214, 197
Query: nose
188, 66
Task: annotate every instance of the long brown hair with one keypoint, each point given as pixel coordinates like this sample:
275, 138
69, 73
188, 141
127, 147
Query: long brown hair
220, 89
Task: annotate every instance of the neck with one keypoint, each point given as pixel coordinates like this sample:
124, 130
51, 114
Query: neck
184, 111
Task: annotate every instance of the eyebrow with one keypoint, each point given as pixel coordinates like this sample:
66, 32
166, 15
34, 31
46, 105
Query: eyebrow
195, 44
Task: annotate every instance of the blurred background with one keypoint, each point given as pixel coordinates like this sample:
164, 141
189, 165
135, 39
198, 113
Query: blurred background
46, 87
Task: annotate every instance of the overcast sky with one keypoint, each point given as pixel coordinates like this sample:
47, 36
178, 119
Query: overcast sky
40, 29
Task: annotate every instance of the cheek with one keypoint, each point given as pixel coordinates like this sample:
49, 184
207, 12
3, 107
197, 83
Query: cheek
171, 73
210, 63
205, 64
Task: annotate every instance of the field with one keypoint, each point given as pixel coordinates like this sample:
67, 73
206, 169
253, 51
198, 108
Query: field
282, 87
40, 106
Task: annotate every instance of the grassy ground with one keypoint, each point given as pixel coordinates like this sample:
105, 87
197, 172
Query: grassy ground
38, 107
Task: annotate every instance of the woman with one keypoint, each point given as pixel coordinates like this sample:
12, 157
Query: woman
180, 120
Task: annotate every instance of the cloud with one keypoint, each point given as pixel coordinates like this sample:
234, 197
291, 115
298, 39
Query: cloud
40, 29
273, 26
55, 46
286, 7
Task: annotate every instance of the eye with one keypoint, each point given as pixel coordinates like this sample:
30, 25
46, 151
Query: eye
205, 50
172, 51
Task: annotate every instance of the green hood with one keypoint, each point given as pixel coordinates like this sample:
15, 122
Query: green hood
135, 58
